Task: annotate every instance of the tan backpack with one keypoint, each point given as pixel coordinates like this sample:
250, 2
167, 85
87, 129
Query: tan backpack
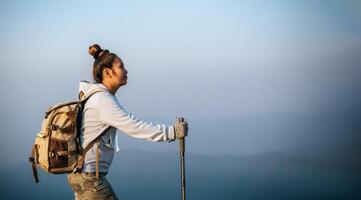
57, 149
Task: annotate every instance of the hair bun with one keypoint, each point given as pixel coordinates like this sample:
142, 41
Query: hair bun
95, 50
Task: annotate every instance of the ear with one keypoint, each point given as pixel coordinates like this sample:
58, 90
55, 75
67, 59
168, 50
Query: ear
107, 72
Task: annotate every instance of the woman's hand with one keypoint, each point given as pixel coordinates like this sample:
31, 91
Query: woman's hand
181, 129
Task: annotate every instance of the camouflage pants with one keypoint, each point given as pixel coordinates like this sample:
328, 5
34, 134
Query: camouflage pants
87, 187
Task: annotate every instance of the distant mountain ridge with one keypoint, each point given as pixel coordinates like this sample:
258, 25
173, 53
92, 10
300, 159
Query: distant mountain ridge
150, 175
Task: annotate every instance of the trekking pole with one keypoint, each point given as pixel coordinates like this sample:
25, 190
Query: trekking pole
181, 153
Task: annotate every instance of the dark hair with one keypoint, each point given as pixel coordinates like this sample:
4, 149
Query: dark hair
103, 59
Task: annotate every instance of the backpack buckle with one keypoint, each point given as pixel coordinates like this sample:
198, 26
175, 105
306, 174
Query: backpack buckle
32, 160
76, 170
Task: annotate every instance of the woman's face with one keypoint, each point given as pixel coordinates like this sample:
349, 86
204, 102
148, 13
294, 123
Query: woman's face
119, 77
115, 77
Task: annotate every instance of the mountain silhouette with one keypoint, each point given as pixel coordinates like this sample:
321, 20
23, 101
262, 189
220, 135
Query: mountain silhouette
156, 175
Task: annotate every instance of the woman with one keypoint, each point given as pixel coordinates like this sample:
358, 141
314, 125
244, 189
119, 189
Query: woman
103, 114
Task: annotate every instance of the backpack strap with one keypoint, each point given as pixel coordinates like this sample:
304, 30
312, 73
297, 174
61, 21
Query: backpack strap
33, 157
81, 95
82, 100
81, 160
97, 161
80, 163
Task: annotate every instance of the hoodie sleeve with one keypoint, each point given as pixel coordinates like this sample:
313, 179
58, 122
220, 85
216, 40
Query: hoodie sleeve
112, 113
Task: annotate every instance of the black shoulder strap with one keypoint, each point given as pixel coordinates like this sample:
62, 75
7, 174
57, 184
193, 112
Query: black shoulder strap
82, 101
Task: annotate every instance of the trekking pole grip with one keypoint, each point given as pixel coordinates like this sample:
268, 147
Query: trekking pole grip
181, 141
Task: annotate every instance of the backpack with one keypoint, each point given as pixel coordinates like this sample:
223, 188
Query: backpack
57, 148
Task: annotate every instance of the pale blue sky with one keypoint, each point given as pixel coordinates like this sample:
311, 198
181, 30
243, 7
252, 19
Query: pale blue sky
225, 52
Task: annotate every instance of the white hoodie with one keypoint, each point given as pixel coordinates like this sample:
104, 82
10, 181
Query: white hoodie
101, 111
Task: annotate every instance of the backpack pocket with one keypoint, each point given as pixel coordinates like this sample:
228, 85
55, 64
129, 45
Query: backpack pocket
41, 149
58, 153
